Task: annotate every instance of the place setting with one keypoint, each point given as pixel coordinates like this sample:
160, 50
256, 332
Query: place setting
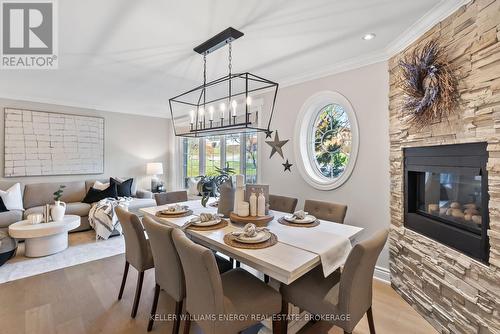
175, 211
251, 237
205, 222
299, 218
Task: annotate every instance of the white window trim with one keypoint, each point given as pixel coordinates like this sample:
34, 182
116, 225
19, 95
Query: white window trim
305, 119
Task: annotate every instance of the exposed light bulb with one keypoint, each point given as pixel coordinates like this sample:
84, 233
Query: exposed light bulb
368, 36
201, 111
249, 100
234, 104
222, 106
191, 113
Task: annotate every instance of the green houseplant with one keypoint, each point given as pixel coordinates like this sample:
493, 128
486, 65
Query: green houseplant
208, 186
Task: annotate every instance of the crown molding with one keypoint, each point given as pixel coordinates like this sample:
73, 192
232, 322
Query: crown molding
80, 105
339, 67
435, 15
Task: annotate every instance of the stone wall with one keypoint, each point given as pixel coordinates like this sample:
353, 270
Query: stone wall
455, 293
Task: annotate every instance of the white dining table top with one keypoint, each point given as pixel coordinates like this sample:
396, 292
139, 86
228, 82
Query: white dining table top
284, 261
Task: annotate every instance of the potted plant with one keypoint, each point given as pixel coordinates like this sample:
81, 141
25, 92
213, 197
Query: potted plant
59, 208
208, 186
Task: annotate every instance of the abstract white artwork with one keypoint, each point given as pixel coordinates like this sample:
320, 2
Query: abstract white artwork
47, 143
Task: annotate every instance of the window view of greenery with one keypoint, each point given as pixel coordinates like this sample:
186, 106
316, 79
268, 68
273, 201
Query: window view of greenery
251, 158
212, 155
332, 141
197, 162
191, 157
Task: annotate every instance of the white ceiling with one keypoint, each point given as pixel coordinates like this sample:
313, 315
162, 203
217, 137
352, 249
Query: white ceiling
132, 56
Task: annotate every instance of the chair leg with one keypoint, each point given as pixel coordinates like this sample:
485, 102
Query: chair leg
187, 324
238, 264
346, 332
284, 317
177, 320
138, 290
153, 308
266, 279
371, 324
124, 279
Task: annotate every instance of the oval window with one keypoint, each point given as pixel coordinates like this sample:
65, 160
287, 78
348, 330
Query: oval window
328, 140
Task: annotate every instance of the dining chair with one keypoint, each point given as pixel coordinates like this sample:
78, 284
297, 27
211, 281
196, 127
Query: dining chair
236, 293
344, 296
330, 211
168, 269
282, 203
171, 197
137, 252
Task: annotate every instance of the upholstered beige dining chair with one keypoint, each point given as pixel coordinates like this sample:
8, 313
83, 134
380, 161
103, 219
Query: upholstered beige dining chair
235, 293
282, 203
345, 297
330, 211
168, 269
137, 252
171, 197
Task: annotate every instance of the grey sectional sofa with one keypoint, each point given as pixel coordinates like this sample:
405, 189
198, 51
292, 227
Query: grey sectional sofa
36, 195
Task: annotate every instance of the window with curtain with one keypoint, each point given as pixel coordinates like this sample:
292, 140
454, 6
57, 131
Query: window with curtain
202, 155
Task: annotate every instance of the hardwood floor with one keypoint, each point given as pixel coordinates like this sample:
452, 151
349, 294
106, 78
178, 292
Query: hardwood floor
83, 299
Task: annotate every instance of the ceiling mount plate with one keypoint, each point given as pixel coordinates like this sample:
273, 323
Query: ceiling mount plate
218, 41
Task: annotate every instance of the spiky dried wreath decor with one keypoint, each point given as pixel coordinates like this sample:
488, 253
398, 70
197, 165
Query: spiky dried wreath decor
428, 84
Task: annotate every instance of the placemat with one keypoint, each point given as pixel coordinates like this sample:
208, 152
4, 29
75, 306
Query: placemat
230, 240
223, 223
283, 221
180, 215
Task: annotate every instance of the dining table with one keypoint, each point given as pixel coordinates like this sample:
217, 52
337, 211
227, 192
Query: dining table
290, 258
298, 250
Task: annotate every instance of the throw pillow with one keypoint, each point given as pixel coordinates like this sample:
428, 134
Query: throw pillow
2, 206
100, 186
12, 197
95, 195
124, 188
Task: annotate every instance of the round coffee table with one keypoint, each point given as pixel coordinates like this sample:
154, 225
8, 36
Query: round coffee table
44, 238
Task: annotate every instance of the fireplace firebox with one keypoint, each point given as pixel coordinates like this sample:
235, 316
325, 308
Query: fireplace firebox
446, 196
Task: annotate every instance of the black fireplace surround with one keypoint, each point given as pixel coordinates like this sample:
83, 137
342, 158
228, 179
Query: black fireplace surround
446, 196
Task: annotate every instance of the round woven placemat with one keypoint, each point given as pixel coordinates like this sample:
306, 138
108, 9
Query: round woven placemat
283, 221
180, 215
223, 223
230, 240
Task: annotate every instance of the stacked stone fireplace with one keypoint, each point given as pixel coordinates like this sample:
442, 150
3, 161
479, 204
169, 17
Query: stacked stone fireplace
456, 291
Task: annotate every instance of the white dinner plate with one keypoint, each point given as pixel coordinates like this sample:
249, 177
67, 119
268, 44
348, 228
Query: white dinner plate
309, 219
260, 237
179, 212
207, 223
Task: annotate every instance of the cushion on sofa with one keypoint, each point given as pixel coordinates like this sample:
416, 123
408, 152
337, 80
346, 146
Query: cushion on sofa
138, 203
123, 188
77, 208
38, 194
95, 195
90, 183
10, 217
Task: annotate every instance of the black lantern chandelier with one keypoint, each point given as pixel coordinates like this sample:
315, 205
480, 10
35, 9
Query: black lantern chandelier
226, 105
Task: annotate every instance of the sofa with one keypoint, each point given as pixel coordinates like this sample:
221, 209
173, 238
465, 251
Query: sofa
36, 195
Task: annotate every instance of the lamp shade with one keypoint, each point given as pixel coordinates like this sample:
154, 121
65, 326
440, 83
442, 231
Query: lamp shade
154, 168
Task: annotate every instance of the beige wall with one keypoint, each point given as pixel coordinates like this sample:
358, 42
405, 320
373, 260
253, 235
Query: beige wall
130, 142
367, 190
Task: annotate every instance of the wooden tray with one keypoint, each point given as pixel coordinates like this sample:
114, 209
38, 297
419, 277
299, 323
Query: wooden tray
258, 221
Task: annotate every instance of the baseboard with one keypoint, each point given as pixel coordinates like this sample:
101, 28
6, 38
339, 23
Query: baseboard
382, 274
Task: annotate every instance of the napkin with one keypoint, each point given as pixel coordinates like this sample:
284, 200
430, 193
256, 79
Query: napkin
206, 217
301, 214
249, 231
175, 208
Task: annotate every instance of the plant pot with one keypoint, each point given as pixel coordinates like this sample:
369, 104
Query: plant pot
57, 211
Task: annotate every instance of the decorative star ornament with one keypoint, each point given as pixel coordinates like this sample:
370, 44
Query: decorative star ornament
268, 133
276, 145
287, 166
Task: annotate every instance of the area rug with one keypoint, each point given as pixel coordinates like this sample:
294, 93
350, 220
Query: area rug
82, 248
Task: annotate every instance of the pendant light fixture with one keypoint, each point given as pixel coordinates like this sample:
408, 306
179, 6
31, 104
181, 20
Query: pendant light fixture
225, 105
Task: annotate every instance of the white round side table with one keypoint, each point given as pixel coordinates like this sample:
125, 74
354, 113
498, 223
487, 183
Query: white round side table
44, 238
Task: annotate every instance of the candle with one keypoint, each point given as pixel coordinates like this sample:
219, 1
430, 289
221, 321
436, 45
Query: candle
243, 209
211, 112
234, 104
192, 116
222, 108
240, 180
249, 100
201, 112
